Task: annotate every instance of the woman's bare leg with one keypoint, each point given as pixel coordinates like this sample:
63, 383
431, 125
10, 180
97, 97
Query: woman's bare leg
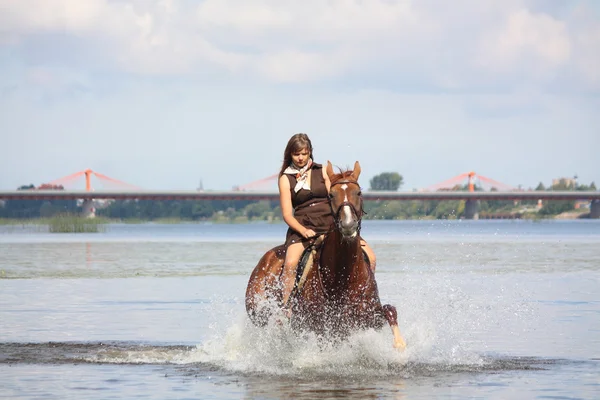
370, 253
292, 256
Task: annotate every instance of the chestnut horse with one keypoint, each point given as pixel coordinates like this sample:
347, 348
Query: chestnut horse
339, 293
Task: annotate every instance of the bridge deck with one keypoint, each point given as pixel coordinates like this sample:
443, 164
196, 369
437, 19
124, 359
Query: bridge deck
273, 196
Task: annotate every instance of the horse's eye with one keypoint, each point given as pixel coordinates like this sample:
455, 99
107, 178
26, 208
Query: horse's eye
360, 193
330, 195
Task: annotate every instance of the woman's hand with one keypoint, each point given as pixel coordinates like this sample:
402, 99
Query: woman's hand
308, 233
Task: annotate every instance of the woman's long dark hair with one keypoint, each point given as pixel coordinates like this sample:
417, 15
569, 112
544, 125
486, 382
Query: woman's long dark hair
296, 143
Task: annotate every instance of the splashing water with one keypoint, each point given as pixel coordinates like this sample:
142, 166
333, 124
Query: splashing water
277, 350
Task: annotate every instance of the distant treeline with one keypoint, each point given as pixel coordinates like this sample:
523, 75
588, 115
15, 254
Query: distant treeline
242, 210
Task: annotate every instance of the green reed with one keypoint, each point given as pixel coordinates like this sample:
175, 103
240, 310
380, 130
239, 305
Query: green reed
67, 223
13, 221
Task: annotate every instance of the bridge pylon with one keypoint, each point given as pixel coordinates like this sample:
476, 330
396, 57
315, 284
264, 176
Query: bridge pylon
88, 209
471, 209
595, 209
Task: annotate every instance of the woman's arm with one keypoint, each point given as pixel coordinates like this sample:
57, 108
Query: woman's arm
287, 211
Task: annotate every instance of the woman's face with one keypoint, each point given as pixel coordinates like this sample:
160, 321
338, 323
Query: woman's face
300, 157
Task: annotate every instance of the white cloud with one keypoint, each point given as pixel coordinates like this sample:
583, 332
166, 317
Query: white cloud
33, 16
532, 43
585, 31
304, 22
466, 44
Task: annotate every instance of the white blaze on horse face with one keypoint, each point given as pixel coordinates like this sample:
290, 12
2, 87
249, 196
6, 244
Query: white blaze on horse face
347, 220
344, 187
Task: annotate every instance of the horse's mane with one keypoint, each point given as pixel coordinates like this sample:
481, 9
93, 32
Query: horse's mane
343, 174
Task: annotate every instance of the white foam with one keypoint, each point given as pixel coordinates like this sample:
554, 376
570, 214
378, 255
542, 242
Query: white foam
276, 349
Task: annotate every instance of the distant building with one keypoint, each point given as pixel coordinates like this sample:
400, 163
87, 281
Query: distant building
48, 186
567, 182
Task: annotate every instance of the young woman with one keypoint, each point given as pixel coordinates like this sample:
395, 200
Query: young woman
303, 190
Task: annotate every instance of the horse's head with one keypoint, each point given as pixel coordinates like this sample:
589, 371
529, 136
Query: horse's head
345, 199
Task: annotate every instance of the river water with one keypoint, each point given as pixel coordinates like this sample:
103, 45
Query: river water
489, 309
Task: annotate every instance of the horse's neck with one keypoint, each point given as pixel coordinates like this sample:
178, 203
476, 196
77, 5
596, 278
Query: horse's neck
342, 258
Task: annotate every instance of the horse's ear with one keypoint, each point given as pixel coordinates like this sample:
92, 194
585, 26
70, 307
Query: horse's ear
329, 170
356, 172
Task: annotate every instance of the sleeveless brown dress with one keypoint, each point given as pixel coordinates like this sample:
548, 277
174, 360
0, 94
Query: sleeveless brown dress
311, 207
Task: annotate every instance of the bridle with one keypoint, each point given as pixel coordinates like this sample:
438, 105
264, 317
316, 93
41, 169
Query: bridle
336, 214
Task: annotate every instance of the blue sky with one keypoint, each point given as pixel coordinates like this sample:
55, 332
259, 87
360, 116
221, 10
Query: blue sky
163, 94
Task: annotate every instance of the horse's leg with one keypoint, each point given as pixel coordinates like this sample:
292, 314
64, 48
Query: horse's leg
391, 315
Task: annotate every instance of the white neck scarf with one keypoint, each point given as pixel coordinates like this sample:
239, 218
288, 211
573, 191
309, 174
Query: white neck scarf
302, 181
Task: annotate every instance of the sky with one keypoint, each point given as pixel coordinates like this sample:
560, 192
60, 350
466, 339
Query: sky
166, 94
